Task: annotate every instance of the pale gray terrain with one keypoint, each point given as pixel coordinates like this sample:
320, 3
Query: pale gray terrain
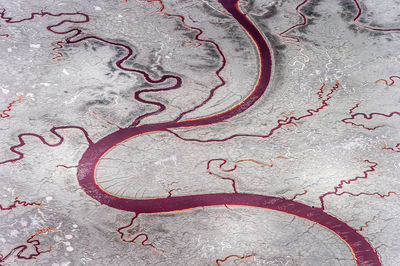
80, 85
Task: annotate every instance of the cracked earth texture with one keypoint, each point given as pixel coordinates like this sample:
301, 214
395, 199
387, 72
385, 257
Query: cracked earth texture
199, 132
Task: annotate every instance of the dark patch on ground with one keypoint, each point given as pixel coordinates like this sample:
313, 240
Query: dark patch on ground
248, 6
124, 74
362, 20
161, 229
188, 33
212, 52
280, 47
111, 66
99, 102
271, 11
236, 34
96, 44
303, 29
349, 10
309, 8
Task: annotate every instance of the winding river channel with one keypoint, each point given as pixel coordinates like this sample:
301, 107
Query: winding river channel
364, 254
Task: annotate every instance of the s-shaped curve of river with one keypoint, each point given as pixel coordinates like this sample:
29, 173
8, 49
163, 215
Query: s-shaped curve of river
363, 252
